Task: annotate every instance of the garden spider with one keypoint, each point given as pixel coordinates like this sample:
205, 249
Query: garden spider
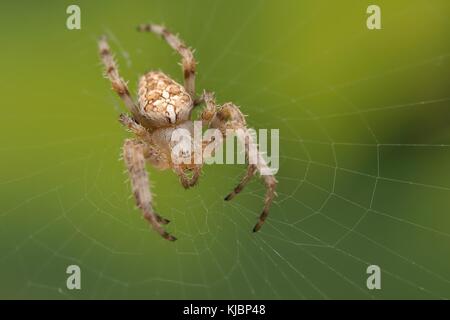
164, 106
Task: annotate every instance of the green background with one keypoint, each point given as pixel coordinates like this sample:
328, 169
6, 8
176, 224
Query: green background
364, 152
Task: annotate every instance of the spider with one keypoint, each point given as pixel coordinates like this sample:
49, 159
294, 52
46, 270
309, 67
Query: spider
164, 106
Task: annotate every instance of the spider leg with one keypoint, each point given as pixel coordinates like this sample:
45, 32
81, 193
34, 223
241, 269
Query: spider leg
162, 220
210, 108
135, 127
112, 72
228, 117
251, 170
133, 152
152, 153
187, 57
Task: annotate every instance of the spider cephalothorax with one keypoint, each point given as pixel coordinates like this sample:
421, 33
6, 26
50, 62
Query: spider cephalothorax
163, 107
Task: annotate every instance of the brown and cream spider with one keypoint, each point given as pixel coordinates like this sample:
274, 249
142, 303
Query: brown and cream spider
164, 106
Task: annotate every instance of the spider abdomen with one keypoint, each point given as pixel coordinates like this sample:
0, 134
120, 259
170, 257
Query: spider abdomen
162, 101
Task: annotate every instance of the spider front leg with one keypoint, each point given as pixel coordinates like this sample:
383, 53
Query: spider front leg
210, 109
133, 154
135, 127
187, 57
229, 117
152, 153
112, 72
